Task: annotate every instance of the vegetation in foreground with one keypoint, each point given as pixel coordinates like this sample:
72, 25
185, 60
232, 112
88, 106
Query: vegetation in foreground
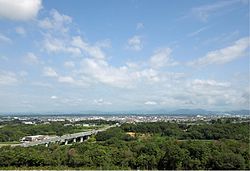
15, 130
161, 145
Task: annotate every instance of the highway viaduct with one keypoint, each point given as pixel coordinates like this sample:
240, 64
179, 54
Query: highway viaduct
80, 136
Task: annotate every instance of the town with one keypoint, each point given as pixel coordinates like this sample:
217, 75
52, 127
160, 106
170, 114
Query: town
90, 124
122, 118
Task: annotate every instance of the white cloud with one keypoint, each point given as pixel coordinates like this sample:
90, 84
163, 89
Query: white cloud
75, 46
212, 93
53, 45
31, 59
224, 55
78, 42
213, 83
58, 38
19, 9
104, 43
80, 81
8, 78
197, 93
161, 58
21, 31
53, 97
69, 64
42, 84
4, 39
66, 79
93, 51
56, 45
195, 33
222, 38
102, 72
56, 22
205, 11
101, 102
150, 103
131, 74
71, 101
23, 73
135, 43
150, 75
49, 72
95, 70
69, 79
139, 26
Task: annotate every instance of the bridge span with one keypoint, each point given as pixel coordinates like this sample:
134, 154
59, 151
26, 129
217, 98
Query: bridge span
80, 136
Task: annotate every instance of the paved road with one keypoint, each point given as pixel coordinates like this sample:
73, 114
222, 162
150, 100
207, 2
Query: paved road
65, 137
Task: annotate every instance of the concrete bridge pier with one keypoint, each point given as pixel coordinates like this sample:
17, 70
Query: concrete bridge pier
66, 139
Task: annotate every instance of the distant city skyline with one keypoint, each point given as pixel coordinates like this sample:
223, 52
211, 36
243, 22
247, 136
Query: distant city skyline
129, 55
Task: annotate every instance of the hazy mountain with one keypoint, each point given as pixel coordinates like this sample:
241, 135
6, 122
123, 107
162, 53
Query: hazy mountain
139, 112
240, 112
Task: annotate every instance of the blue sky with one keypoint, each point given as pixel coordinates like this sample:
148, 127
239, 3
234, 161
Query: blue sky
113, 55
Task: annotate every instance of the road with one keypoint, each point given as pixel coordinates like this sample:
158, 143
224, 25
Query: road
65, 138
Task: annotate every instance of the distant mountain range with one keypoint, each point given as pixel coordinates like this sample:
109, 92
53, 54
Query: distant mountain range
207, 112
139, 112
193, 112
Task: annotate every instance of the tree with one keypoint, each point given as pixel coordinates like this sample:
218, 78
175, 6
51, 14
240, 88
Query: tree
174, 158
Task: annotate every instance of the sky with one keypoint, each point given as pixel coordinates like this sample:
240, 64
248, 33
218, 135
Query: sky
123, 55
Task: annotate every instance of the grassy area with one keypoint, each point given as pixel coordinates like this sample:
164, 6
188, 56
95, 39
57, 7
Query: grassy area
9, 143
37, 168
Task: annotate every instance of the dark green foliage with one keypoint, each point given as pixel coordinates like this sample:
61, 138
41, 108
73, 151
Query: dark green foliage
114, 149
96, 122
115, 134
215, 131
146, 154
164, 128
14, 132
174, 158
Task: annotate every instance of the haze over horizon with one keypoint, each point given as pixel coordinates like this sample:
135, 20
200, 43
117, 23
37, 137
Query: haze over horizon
123, 55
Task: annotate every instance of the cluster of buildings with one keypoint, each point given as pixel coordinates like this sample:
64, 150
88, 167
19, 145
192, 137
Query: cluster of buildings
121, 118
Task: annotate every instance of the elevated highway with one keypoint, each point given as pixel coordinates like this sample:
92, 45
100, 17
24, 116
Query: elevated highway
80, 136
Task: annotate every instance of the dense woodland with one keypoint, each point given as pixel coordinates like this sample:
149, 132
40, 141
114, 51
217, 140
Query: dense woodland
15, 130
160, 145
213, 131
